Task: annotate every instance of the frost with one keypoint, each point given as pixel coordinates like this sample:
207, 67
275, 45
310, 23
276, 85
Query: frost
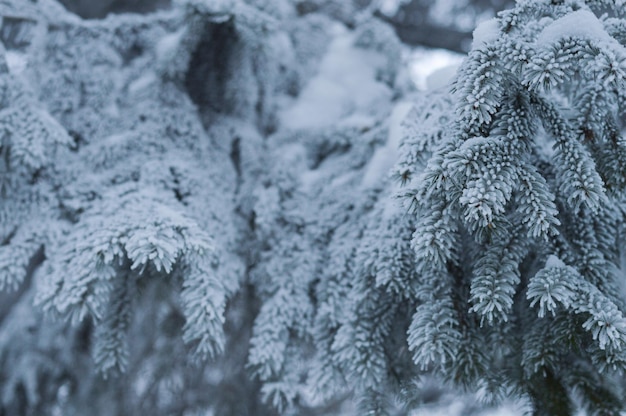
554, 262
213, 8
166, 48
251, 186
142, 83
579, 24
345, 84
486, 33
442, 78
424, 63
484, 201
17, 62
385, 157
390, 7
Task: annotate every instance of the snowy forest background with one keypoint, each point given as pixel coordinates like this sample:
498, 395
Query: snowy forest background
312, 207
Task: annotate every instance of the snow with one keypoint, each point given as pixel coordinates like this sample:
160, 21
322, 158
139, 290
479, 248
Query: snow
358, 121
453, 409
475, 142
457, 406
579, 24
142, 82
16, 61
390, 7
385, 157
429, 68
342, 94
442, 77
486, 32
502, 411
168, 45
345, 84
214, 7
553, 261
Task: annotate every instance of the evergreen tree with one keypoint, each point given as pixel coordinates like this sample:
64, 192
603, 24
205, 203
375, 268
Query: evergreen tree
132, 221
519, 213
196, 202
130, 202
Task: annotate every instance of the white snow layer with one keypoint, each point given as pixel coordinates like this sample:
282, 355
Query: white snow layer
579, 24
167, 47
390, 7
458, 407
385, 157
16, 61
554, 261
433, 68
486, 32
442, 77
345, 84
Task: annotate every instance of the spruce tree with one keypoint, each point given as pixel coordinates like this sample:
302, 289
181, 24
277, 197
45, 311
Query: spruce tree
119, 206
519, 215
196, 202
136, 163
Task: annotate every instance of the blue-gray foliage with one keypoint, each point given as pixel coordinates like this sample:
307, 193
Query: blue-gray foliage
192, 242
520, 217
